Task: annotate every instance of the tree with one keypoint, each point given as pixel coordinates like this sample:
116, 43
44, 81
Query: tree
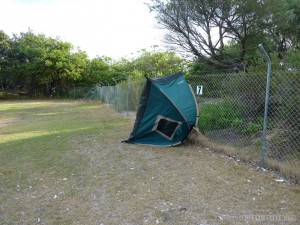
288, 33
203, 28
158, 63
98, 71
37, 60
5, 45
61, 65
24, 57
153, 63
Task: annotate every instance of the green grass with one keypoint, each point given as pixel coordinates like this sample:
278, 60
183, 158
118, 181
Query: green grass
42, 131
36, 136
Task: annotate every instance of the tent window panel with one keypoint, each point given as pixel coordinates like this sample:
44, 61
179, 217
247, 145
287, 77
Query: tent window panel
166, 127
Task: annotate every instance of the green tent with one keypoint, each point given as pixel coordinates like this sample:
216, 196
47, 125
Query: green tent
167, 112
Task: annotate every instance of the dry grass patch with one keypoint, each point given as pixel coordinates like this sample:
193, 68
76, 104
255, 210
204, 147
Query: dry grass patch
289, 169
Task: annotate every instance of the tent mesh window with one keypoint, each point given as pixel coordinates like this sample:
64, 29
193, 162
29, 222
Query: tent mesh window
166, 126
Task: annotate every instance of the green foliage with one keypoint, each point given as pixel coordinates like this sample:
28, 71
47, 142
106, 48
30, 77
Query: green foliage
158, 63
198, 68
292, 60
98, 71
290, 22
30, 62
254, 127
220, 115
225, 114
237, 123
243, 107
155, 63
290, 99
36, 60
7, 96
212, 83
5, 44
63, 66
225, 34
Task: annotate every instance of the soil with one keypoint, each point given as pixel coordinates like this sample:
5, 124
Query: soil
187, 184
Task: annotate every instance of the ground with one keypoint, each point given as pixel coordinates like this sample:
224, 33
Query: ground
63, 162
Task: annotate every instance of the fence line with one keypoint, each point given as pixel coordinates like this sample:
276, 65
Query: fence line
232, 113
124, 97
232, 107
66, 92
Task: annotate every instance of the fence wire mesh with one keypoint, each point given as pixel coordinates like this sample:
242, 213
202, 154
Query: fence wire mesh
124, 97
231, 108
231, 112
65, 92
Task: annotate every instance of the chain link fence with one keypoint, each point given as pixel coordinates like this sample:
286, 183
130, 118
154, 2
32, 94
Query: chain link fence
66, 92
231, 113
123, 97
232, 110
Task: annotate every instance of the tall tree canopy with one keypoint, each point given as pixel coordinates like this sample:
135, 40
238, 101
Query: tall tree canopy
5, 44
32, 62
157, 63
153, 63
203, 28
29, 60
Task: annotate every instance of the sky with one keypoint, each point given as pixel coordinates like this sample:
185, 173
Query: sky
114, 28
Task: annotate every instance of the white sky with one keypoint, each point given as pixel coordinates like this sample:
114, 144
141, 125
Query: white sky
115, 28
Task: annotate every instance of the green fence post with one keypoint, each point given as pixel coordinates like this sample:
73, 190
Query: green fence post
263, 140
74, 91
128, 91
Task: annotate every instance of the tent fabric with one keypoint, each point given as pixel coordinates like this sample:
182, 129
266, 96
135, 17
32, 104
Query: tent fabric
167, 112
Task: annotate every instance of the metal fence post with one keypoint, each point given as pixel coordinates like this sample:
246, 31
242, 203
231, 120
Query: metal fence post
263, 140
128, 90
115, 93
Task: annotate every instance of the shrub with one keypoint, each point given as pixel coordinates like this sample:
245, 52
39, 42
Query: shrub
220, 115
254, 127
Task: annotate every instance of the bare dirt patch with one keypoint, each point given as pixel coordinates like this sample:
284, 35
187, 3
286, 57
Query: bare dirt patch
181, 185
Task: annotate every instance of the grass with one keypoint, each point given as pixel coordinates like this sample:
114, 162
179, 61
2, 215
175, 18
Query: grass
62, 162
36, 136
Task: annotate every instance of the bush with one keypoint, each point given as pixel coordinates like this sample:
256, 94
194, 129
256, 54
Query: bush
254, 127
248, 89
220, 115
14, 95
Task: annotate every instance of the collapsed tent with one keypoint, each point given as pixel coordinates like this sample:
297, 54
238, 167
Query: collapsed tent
167, 112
